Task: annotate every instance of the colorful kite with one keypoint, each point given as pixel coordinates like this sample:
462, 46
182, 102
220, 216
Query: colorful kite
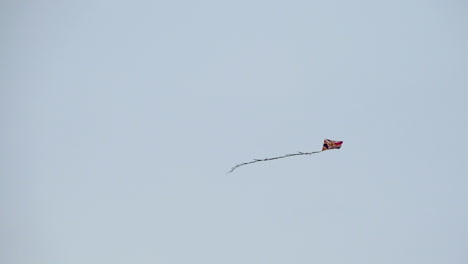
331, 144
327, 144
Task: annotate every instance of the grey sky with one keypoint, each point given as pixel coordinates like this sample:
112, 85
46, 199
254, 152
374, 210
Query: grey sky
121, 118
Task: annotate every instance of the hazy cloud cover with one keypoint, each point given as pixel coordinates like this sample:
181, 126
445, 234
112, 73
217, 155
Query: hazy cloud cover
120, 120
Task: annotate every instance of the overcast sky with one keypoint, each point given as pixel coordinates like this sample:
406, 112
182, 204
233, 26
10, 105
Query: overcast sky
120, 119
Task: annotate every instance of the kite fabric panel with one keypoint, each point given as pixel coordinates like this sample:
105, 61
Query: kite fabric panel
331, 144
327, 144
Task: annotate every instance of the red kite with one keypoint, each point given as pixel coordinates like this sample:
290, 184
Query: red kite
327, 144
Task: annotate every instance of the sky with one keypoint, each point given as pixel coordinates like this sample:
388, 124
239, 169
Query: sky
120, 120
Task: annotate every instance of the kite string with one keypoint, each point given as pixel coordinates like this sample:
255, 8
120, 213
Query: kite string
274, 158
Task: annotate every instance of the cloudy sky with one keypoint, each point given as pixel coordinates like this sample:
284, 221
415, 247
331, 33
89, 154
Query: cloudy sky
120, 120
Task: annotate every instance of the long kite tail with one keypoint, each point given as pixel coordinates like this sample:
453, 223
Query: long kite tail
268, 159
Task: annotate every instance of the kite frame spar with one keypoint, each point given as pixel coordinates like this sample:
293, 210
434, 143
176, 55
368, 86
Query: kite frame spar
268, 159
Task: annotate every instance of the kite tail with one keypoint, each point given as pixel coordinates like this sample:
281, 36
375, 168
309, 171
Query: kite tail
268, 159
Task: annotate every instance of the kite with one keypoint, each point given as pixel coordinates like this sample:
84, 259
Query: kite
331, 144
327, 144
